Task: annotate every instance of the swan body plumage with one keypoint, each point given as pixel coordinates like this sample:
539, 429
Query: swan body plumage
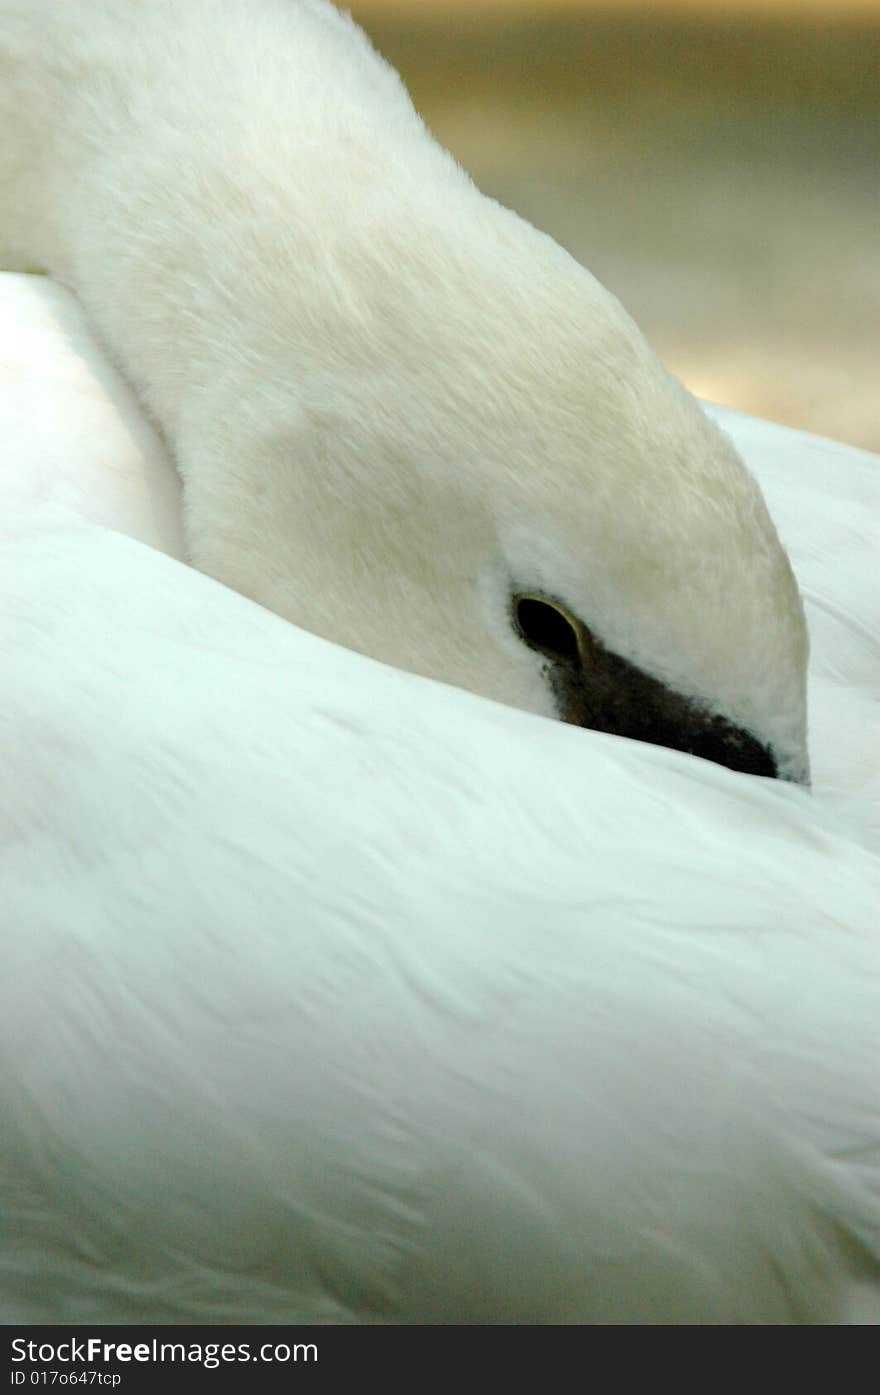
398, 410
335, 994
334, 990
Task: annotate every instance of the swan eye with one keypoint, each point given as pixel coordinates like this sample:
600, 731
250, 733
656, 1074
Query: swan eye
547, 626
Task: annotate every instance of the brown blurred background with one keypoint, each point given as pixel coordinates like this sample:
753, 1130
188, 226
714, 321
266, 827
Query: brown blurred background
716, 163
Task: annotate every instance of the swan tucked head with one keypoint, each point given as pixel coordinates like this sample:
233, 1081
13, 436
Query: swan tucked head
486, 477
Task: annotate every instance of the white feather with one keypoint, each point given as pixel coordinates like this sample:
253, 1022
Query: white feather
392, 402
332, 994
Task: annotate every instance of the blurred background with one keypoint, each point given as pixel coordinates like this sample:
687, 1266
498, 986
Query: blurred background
715, 163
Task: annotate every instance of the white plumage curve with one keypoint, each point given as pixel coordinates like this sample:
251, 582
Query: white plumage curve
403, 418
333, 994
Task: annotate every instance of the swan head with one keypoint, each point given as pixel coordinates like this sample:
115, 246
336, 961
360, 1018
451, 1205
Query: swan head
486, 477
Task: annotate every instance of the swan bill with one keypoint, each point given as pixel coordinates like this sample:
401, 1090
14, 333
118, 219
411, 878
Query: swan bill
611, 694
599, 689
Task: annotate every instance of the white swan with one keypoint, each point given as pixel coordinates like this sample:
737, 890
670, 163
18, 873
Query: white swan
336, 995
332, 994
404, 418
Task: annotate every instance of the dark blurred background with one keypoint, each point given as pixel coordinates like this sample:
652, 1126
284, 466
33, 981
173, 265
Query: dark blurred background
716, 163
